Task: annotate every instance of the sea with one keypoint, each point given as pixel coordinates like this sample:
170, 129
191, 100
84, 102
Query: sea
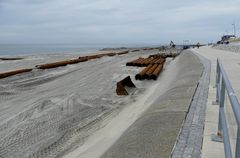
32, 49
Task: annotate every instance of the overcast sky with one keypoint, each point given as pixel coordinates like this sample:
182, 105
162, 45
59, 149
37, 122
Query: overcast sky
116, 21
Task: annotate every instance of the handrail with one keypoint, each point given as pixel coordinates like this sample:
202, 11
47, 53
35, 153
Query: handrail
222, 84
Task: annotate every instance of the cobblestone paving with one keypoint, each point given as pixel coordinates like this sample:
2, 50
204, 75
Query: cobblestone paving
189, 143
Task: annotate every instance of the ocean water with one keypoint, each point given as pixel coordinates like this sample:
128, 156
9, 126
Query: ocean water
25, 49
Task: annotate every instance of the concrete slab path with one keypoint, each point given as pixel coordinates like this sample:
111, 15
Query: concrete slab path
231, 63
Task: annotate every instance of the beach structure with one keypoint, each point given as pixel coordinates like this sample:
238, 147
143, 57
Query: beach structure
140, 75
6, 58
154, 65
121, 86
123, 52
141, 62
60, 63
14, 72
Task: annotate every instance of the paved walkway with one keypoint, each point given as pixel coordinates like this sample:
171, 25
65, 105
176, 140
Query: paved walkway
189, 143
231, 63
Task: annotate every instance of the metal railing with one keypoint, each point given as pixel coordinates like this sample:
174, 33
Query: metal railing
222, 85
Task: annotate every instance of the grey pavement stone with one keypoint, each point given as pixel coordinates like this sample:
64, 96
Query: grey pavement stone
190, 139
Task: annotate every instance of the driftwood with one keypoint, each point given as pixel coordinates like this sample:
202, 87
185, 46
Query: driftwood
122, 84
15, 72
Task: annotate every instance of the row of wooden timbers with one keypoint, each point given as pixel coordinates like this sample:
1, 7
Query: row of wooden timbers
153, 67
60, 63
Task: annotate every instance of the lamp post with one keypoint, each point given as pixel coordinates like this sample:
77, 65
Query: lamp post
234, 29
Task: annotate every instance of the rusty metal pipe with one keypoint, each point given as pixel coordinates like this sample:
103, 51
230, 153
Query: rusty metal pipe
11, 58
110, 54
139, 76
138, 63
136, 50
149, 61
156, 72
160, 61
150, 72
142, 63
131, 62
60, 63
123, 52
15, 72
153, 61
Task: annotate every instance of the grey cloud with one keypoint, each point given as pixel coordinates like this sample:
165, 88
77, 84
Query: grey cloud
114, 21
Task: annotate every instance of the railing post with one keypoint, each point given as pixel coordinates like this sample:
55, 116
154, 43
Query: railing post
217, 81
237, 152
223, 84
221, 106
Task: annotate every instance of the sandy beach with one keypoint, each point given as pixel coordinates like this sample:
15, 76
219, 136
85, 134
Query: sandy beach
46, 113
119, 79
